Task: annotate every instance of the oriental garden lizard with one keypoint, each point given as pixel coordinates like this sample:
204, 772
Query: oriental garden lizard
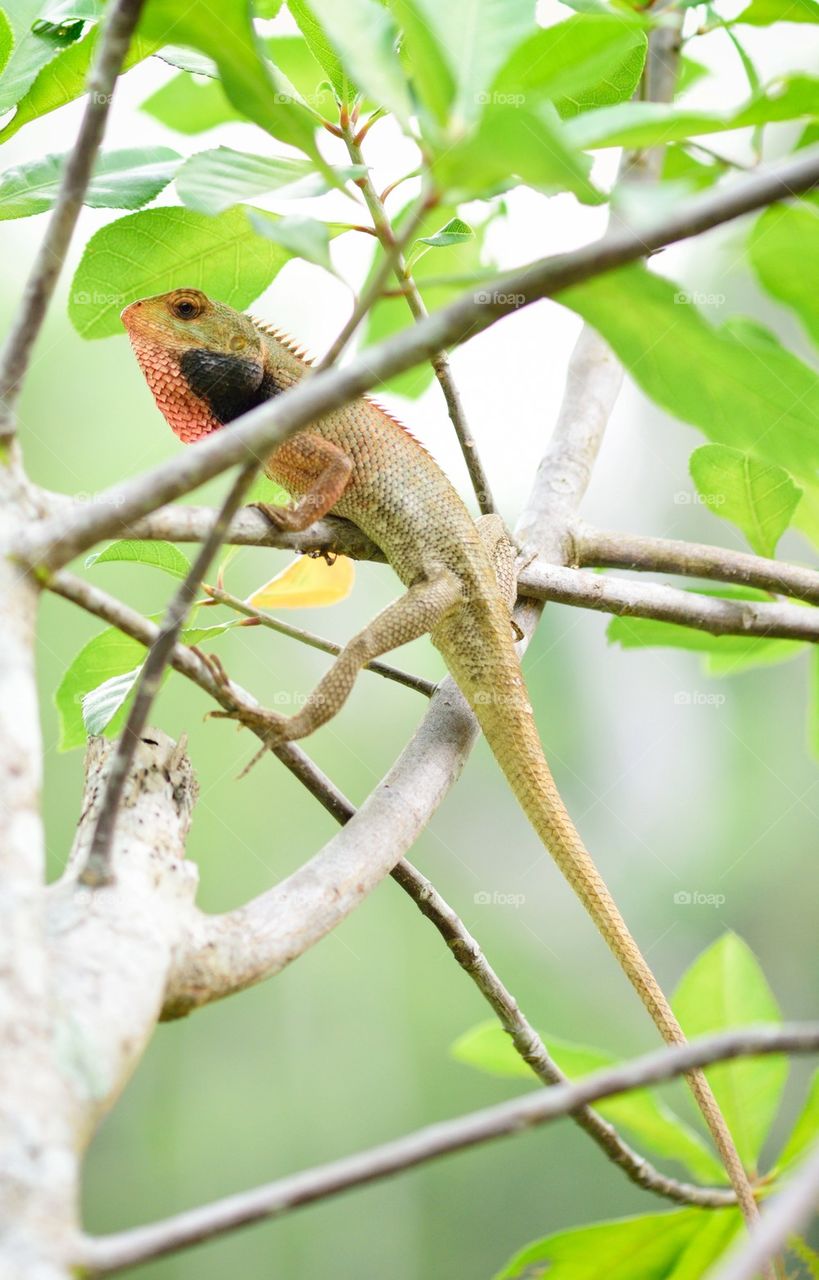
207, 364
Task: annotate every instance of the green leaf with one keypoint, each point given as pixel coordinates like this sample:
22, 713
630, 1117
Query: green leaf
762, 13
389, 315
65, 77
101, 705
749, 392
590, 60
640, 1112
302, 237
698, 173
161, 249
158, 555
806, 1130
473, 39
107, 655
365, 37
189, 106
425, 62
659, 1246
212, 181
758, 497
647, 124
28, 45
6, 39
250, 82
456, 231
124, 179
322, 50
515, 142
725, 988
784, 250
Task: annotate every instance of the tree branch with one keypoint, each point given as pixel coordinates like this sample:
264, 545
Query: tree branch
119, 24
57, 540
602, 549
655, 600
96, 871
107, 1255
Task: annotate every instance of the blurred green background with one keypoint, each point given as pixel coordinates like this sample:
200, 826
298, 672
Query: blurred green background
350, 1046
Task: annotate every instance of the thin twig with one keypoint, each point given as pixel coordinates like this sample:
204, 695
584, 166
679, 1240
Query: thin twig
106, 1255
53, 542
406, 678
603, 549
120, 21
394, 256
714, 614
97, 868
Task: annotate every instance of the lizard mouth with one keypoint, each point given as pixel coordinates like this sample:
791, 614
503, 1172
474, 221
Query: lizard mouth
130, 316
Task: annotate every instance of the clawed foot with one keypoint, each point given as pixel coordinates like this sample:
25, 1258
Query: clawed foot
214, 667
284, 519
271, 727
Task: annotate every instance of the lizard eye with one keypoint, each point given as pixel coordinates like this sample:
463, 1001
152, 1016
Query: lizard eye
186, 309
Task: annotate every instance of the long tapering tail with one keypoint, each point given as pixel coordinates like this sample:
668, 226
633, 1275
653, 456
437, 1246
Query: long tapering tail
495, 689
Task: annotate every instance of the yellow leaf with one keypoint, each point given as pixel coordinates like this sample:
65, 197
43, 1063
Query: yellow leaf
306, 583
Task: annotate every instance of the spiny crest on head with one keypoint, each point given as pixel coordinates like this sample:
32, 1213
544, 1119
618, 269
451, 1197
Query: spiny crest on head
283, 339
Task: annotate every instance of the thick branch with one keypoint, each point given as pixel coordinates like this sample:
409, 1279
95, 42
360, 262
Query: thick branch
118, 28
601, 549
114, 1253
668, 604
57, 540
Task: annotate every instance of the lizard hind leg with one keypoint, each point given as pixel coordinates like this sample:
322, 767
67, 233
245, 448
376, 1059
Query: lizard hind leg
409, 617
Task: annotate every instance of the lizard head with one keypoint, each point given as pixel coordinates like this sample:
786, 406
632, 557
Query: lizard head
202, 360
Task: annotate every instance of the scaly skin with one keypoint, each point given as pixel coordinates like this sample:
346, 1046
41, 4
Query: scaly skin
207, 364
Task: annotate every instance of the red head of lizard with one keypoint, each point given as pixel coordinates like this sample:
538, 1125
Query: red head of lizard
201, 359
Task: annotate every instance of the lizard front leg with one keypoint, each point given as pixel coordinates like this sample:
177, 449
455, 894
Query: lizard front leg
318, 469
411, 616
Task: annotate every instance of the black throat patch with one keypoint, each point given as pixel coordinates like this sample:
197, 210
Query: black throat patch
230, 385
